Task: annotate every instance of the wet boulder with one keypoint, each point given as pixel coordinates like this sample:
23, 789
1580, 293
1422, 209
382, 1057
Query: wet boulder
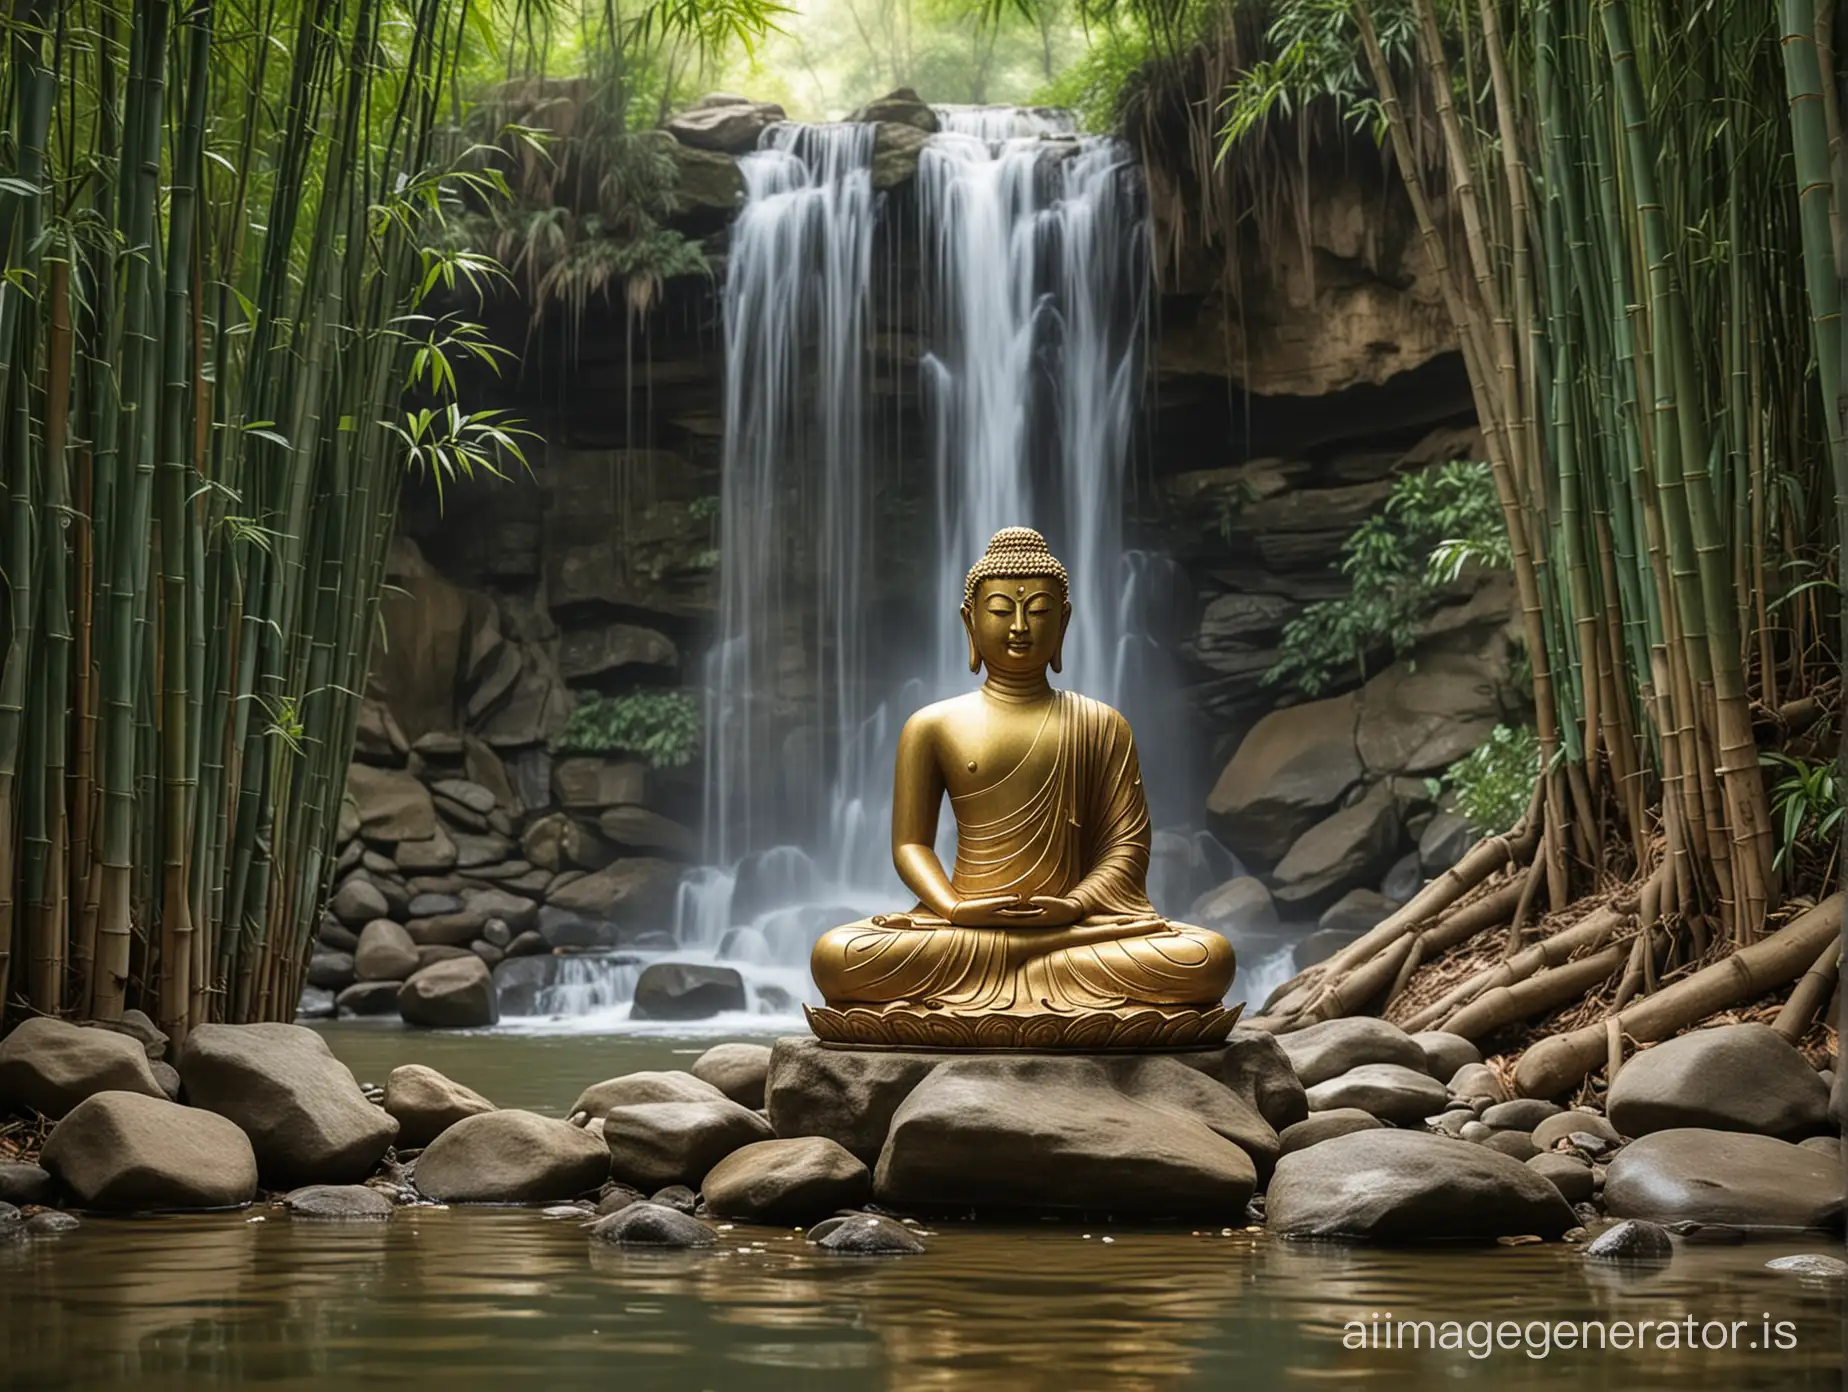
1634, 1239
648, 1224
385, 952
512, 1157
426, 1104
1389, 1091
126, 1152
347, 1203
652, 1144
24, 1184
1726, 1078
723, 123
51, 1065
740, 1071
1325, 1126
307, 1120
867, 1235
1324, 1051
1410, 1187
454, 994
686, 991
1723, 1177
847, 1095
635, 1089
1031, 1133
786, 1182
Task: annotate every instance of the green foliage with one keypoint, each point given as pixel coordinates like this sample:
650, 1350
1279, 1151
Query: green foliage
1093, 86
1493, 783
1806, 804
1314, 54
1398, 562
662, 727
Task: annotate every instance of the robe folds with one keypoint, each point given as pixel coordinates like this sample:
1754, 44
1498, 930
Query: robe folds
1069, 820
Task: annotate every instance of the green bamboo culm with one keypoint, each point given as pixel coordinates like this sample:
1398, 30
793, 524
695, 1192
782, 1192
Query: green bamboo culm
215, 215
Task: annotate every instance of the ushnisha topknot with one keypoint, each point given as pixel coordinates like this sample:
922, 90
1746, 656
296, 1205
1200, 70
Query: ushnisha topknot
1016, 553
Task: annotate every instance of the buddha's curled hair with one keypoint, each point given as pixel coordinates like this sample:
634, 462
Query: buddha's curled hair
1016, 553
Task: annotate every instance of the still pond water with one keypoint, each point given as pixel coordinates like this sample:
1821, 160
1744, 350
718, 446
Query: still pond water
505, 1298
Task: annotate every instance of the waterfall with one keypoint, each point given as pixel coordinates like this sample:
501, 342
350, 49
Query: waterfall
1031, 300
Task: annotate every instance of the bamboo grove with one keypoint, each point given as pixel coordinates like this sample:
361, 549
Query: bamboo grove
213, 215
1630, 208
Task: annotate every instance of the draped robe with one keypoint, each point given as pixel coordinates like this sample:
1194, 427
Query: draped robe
1070, 819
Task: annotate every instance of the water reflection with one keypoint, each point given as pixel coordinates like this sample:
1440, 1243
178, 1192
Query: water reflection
490, 1298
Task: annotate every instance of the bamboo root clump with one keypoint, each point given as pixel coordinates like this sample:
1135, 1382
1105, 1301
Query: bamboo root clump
212, 225
1628, 200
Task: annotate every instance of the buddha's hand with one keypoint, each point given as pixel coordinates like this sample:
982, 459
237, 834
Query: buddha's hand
993, 911
1056, 910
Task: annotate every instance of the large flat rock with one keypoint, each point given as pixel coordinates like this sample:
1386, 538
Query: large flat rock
1729, 1078
1410, 1187
125, 1152
1725, 1177
1132, 1136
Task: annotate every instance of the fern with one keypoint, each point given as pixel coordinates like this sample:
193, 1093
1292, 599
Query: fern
661, 727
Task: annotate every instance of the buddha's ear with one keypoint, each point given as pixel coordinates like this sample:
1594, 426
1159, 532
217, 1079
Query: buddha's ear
975, 658
1058, 651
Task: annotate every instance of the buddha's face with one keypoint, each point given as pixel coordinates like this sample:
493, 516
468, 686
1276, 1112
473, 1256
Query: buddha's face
1016, 626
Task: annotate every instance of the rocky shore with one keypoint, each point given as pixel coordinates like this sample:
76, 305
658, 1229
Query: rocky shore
1352, 1130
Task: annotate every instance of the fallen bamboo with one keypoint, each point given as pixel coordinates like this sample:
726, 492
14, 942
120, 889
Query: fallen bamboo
1553, 1066
1588, 934
1810, 995
1304, 991
1506, 1005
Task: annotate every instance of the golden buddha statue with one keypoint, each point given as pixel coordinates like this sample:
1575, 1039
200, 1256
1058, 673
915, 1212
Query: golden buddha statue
1043, 936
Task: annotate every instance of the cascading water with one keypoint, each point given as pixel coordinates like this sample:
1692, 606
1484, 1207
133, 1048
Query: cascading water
1032, 310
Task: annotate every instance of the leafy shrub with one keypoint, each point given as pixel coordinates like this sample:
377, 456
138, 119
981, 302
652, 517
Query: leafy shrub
1399, 561
662, 727
1806, 804
1491, 785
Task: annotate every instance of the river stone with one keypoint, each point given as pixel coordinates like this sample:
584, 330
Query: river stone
515, 912
1478, 1080
49, 1066
307, 1119
1257, 1067
1809, 1264
341, 1202
635, 1089
367, 998
1410, 1187
904, 105
1521, 1114
1130, 1135
23, 1184
1325, 1126
1554, 1129
428, 905
1570, 1175
358, 901
49, 1223
316, 1004
869, 1235
686, 991
1830, 1146
740, 1071
335, 934
786, 1182
331, 971
648, 1224
124, 1152
512, 1157
1389, 1091
457, 994
427, 1104
616, 1197
1634, 1239
1452, 1122
637, 891
386, 952
436, 952
1727, 1078
652, 1144
1445, 1053
1443, 843
1517, 1144
847, 1095
1333, 1047
138, 1027
677, 1197
1728, 1177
